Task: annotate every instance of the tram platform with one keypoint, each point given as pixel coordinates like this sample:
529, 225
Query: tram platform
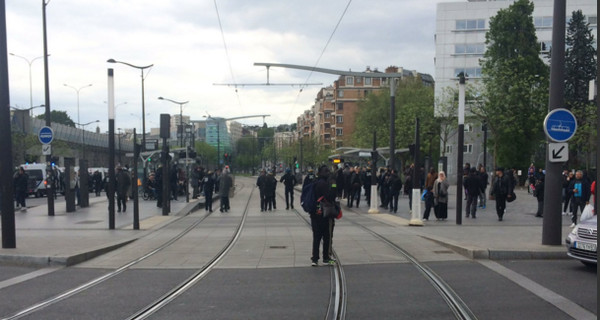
70, 238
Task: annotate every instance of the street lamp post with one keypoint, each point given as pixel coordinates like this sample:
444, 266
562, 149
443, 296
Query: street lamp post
77, 91
49, 169
141, 68
180, 127
29, 62
119, 133
82, 126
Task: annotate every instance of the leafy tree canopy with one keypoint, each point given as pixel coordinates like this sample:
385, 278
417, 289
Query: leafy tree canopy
58, 117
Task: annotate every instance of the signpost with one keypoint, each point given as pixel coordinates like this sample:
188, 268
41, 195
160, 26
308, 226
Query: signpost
46, 135
558, 152
560, 125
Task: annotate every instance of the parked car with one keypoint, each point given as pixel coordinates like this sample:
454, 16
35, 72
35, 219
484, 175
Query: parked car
582, 242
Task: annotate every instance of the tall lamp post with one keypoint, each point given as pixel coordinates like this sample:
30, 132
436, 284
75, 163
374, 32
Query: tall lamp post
82, 126
47, 114
141, 68
77, 91
29, 62
180, 127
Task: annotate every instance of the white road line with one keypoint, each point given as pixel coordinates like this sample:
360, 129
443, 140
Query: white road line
562, 303
27, 276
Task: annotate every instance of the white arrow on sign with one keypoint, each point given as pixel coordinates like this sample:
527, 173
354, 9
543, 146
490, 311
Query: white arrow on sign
558, 152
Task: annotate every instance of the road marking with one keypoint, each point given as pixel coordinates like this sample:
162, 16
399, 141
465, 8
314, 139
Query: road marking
27, 276
562, 303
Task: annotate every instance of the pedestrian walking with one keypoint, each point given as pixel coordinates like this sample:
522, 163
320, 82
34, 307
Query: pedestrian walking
567, 192
408, 186
20, 180
289, 181
209, 187
270, 189
581, 190
225, 184
260, 183
123, 183
367, 181
483, 183
501, 189
473, 186
395, 187
355, 185
322, 228
97, 180
431, 176
538, 192
429, 202
339, 181
440, 193
383, 187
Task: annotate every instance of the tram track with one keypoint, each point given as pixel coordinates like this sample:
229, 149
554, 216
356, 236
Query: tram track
156, 305
457, 306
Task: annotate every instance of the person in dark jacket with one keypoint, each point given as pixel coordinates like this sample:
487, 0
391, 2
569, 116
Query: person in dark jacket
260, 183
581, 189
173, 181
289, 181
97, 181
322, 228
355, 185
538, 192
225, 185
408, 186
20, 180
501, 190
395, 184
568, 193
209, 188
123, 184
473, 186
367, 182
429, 202
483, 183
310, 177
339, 181
195, 182
270, 188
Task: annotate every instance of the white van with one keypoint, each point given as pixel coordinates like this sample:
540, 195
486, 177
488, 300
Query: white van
37, 176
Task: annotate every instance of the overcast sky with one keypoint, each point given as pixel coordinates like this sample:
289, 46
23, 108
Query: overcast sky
183, 40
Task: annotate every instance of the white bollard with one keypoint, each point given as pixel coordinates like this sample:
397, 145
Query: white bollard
415, 219
374, 207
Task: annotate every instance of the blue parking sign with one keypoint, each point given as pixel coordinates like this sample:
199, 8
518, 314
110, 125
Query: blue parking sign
46, 135
560, 125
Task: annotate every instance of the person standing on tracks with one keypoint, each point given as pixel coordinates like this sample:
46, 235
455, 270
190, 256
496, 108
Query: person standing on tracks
123, 184
225, 184
20, 180
260, 183
289, 181
355, 185
322, 228
270, 186
209, 187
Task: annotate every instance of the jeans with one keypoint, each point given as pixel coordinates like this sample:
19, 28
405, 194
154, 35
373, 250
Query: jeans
322, 229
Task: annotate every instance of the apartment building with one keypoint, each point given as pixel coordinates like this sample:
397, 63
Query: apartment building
460, 44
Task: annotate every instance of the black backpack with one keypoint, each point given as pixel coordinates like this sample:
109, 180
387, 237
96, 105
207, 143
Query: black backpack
308, 201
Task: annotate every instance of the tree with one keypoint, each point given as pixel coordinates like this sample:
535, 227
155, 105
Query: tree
516, 85
580, 68
58, 117
246, 157
413, 100
206, 152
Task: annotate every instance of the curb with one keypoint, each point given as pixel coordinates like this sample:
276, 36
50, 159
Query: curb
476, 253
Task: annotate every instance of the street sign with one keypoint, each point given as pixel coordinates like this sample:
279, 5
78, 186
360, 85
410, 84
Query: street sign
364, 154
46, 135
558, 152
560, 125
46, 149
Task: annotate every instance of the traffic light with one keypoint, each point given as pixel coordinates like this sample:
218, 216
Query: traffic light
338, 160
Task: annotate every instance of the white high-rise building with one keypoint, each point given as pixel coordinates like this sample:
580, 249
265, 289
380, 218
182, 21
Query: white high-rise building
460, 44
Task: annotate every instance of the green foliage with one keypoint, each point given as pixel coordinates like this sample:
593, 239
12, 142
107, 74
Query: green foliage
58, 117
207, 153
580, 68
413, 100
246, 157
516, 85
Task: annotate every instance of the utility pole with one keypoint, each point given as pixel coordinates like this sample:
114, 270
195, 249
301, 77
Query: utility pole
49, 169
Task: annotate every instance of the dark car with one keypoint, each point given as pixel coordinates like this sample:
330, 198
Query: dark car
582, 242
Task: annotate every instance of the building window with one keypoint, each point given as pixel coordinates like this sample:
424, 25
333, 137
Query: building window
327, 115
448, 148
478, 24
339, 132
368, 81
545, 46
340, 93
339, 144
358, 79
340, 105
468, 127
365, 93
327, 136
473, 48
469, 72
542, 22
468, 148
339, 119
349, 81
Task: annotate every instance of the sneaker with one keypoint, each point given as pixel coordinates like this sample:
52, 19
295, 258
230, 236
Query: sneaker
330, 262
23, 209
573, 225
483, 207
314, 264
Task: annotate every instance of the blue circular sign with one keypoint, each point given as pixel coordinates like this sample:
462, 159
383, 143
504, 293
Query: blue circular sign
560, 125
46, 135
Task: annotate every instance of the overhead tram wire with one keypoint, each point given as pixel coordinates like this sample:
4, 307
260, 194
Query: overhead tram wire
321, 55
227, 52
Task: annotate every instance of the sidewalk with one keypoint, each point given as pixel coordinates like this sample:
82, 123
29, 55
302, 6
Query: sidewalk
518, 236
70, 238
